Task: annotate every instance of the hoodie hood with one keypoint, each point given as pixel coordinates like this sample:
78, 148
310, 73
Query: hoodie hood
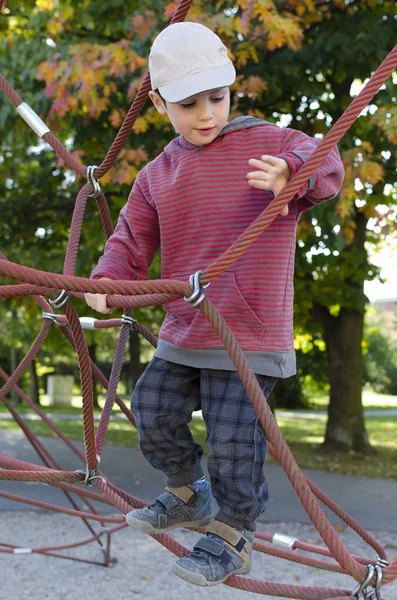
244, 122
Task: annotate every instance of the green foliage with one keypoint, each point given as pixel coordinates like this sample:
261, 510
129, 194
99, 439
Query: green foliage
380, 360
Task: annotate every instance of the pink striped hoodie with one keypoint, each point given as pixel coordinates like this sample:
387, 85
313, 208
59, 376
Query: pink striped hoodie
193, 202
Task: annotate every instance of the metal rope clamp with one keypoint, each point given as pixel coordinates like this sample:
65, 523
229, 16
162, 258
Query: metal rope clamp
373, 593
197, 295
128, 320
90, 474
60, 300
94, 182
53, 317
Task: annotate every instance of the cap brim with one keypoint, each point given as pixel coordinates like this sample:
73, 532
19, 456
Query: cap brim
196, 83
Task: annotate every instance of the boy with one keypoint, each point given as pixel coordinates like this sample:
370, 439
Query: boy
195, 199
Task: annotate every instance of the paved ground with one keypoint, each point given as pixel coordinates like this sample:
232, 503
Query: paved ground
143, 566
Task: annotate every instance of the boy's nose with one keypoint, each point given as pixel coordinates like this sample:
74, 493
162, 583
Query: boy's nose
205, 113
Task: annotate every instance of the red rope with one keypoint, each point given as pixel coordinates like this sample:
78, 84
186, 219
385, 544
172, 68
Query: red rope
143, 293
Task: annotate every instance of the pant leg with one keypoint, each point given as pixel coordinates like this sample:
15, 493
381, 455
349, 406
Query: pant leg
237, 446
163, 401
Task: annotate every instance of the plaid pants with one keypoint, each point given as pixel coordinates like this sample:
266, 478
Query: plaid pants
163, 401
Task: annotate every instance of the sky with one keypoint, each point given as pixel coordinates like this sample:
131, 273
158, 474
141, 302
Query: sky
387, 260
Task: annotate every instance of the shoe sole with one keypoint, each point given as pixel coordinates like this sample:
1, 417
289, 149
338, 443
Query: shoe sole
146, 527
197, 579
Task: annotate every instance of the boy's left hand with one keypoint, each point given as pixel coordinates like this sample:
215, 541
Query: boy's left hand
273, 174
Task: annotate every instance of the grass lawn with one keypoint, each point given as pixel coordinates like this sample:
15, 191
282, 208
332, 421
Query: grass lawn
371, 401
303, 436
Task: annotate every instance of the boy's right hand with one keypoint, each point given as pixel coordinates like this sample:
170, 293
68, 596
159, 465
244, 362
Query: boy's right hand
98, 301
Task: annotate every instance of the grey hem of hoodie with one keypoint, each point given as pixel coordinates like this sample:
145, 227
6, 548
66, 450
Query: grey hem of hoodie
273, 364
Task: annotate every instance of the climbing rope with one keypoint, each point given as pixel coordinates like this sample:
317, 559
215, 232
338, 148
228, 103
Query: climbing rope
369, 574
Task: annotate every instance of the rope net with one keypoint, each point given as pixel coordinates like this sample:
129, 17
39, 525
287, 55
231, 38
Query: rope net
127, 295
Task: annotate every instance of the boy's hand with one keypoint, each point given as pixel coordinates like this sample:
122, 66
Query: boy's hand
98, 301
273, 174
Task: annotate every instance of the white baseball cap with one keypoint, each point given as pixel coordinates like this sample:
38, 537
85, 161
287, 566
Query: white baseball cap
186, 59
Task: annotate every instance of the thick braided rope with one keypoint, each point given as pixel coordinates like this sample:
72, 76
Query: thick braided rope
114, 301
47, 549
14, 463
32, 353
86, 385
283, 453
298, 545
102, 286
113, 383
66, 511
49, 476
323, 149
75, 230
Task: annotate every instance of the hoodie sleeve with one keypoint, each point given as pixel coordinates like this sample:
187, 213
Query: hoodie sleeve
326, 181
130, 250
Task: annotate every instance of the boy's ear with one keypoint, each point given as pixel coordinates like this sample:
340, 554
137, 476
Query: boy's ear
158, 102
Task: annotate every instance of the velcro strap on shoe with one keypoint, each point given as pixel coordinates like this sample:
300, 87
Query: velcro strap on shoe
168, 501
183, 493
209, 545
226, 532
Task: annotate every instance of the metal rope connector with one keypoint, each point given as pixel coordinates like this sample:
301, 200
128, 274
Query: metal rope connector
61, 300
88, 322
32, 119
53, 317
90, 474
364, 590
94, 182
128, 320
198, 295
286, 542
360, 592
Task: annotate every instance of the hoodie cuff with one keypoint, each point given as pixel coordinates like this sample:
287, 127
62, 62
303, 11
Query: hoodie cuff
294, 162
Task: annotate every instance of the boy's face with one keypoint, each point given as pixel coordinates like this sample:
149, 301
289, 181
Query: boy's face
199, 118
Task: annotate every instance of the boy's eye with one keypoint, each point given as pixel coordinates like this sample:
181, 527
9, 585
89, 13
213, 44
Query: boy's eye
188, 105
217, 99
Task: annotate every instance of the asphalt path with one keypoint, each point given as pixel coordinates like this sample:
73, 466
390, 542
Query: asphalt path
372, 502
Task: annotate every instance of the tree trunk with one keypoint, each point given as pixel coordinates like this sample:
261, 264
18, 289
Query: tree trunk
34, 383
345, 427
343, 337
135, 356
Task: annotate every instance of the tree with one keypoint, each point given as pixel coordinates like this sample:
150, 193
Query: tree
296, 62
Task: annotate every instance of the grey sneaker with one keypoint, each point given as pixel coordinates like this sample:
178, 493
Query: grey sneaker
186, 506
224, 552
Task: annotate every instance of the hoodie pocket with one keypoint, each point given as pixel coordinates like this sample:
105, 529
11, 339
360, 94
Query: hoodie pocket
226, 296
